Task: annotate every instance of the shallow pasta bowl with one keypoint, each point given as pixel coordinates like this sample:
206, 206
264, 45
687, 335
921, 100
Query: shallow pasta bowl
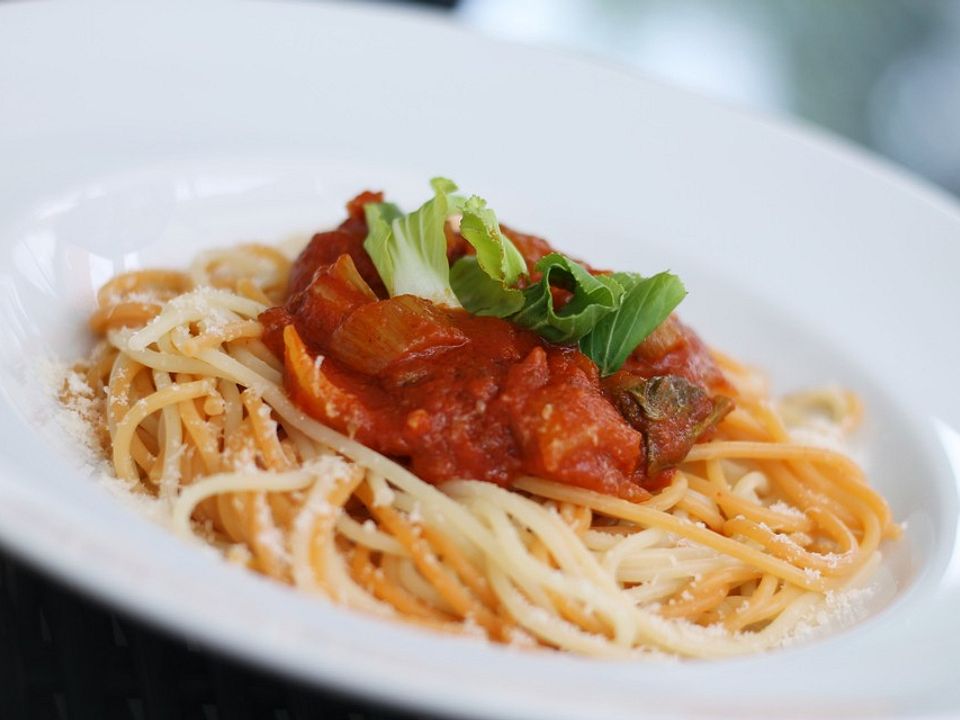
133, 136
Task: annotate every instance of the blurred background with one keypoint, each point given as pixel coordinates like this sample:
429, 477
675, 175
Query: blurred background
882, 73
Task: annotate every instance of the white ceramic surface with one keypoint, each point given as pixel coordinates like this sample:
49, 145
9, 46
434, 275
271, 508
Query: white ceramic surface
132, 135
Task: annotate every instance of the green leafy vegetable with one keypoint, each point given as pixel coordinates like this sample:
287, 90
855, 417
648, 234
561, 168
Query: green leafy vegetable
594, 296
646, 303
377, 213
410, 251
608, 315
479, 293
484, 283
496, 255
670, 411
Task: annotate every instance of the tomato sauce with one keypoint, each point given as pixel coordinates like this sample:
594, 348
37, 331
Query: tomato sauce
453, 395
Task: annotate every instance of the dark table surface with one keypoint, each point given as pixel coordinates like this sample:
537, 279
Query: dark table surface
64, 657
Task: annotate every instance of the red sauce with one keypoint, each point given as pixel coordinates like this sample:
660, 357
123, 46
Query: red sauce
675, 349
454, 395
325, 247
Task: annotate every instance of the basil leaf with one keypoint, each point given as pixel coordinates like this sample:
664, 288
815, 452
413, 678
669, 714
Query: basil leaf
410, 251
646, 303
594, 296
479, 293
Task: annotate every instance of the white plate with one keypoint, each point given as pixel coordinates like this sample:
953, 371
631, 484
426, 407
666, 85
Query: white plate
132, 135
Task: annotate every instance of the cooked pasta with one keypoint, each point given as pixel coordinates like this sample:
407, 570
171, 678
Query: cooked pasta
752, 531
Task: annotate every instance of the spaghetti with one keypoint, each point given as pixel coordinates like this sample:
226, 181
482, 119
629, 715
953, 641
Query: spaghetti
752, 532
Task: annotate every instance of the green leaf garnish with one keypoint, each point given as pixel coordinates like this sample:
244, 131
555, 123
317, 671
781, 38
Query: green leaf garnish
646, 303
484, 283
594, 296
481, 294
496, 255
410, 251
608, 315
